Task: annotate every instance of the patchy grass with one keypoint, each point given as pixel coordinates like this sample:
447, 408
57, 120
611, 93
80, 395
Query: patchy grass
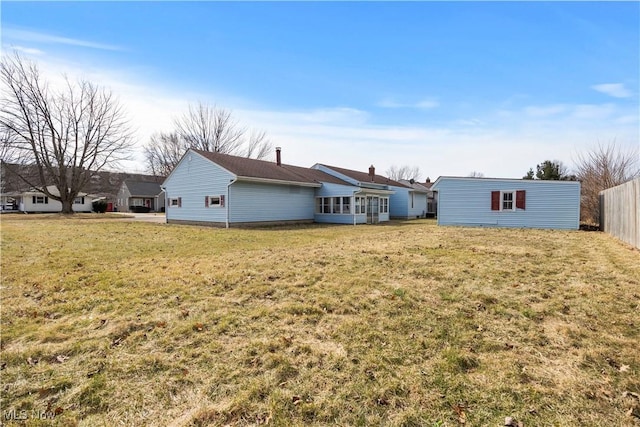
107, 322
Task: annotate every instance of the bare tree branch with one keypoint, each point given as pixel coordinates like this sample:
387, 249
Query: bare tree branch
67, 134
603, 167
405, 172
207, 128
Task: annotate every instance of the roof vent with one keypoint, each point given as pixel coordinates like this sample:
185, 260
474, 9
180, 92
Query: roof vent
278, 159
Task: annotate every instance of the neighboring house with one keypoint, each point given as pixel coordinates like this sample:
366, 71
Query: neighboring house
36, 201
495, 202
224, 190
432, 199
409, 201
137, 195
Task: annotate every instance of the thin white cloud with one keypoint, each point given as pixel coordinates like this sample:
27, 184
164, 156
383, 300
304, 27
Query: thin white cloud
425, 104
546, 110
27, 50
593, 111
38, 37
349, 137
616, 90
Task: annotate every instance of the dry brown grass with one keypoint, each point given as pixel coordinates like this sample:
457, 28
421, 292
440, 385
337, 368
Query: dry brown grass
111, 322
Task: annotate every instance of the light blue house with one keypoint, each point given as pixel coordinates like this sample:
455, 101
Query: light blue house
494, 202
410, 200
371, 194
224, 190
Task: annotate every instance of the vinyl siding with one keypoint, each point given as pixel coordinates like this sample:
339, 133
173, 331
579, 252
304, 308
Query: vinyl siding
257, 202
337, 190
549, 204
400, 203
27, 205
194, 178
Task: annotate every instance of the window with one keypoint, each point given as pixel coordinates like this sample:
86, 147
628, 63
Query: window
214, 201
176, 202
40, 200
384, 205
336, 205
136, 202
323, 205
412, 200
346, 205
78, 201
333, 205
361, 205
508, 200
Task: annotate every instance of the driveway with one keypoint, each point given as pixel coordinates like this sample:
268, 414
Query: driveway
146, 217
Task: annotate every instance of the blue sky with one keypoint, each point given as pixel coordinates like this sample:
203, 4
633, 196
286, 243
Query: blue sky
451, 87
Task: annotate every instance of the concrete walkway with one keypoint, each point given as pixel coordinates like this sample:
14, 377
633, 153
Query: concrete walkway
144, 217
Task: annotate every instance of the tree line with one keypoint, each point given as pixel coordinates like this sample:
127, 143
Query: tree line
72, 132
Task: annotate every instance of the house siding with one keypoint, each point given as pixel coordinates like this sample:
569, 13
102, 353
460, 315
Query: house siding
27, 204
192, 179
337, 190
400, 203
257, 202
549, 204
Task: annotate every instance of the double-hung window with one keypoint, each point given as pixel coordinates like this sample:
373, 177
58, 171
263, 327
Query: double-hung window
508, 200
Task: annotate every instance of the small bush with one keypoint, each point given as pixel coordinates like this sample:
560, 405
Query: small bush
139, 209
99, 206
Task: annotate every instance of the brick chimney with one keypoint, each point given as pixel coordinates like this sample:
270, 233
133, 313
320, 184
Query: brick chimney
372, 173
278, 159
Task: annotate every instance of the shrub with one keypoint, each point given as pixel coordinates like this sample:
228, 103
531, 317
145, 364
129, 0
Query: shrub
99, 206
139, 209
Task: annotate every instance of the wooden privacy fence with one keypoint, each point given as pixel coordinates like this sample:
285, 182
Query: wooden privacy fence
620, 211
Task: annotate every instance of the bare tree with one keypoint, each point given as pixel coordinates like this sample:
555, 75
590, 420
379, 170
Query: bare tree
603, 167
405, 172
476, 174
258, 146
163, 152
208, 128
67, 134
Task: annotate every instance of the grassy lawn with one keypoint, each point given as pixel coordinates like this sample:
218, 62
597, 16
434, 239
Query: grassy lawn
108, 322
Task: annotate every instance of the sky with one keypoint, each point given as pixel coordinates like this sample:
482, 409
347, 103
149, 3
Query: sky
450, 87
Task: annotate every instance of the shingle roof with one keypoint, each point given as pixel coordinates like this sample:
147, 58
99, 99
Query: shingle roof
364, 177
417, 186
142, 188
252, 168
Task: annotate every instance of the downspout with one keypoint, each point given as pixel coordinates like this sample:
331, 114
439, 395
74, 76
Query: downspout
226, 203
166, 205
354, 205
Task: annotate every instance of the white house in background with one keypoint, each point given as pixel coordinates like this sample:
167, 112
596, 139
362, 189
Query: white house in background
496, 202
36, 201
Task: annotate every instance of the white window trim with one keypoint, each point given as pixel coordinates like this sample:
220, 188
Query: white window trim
330, 202
172, 204
215, 205
513, 201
